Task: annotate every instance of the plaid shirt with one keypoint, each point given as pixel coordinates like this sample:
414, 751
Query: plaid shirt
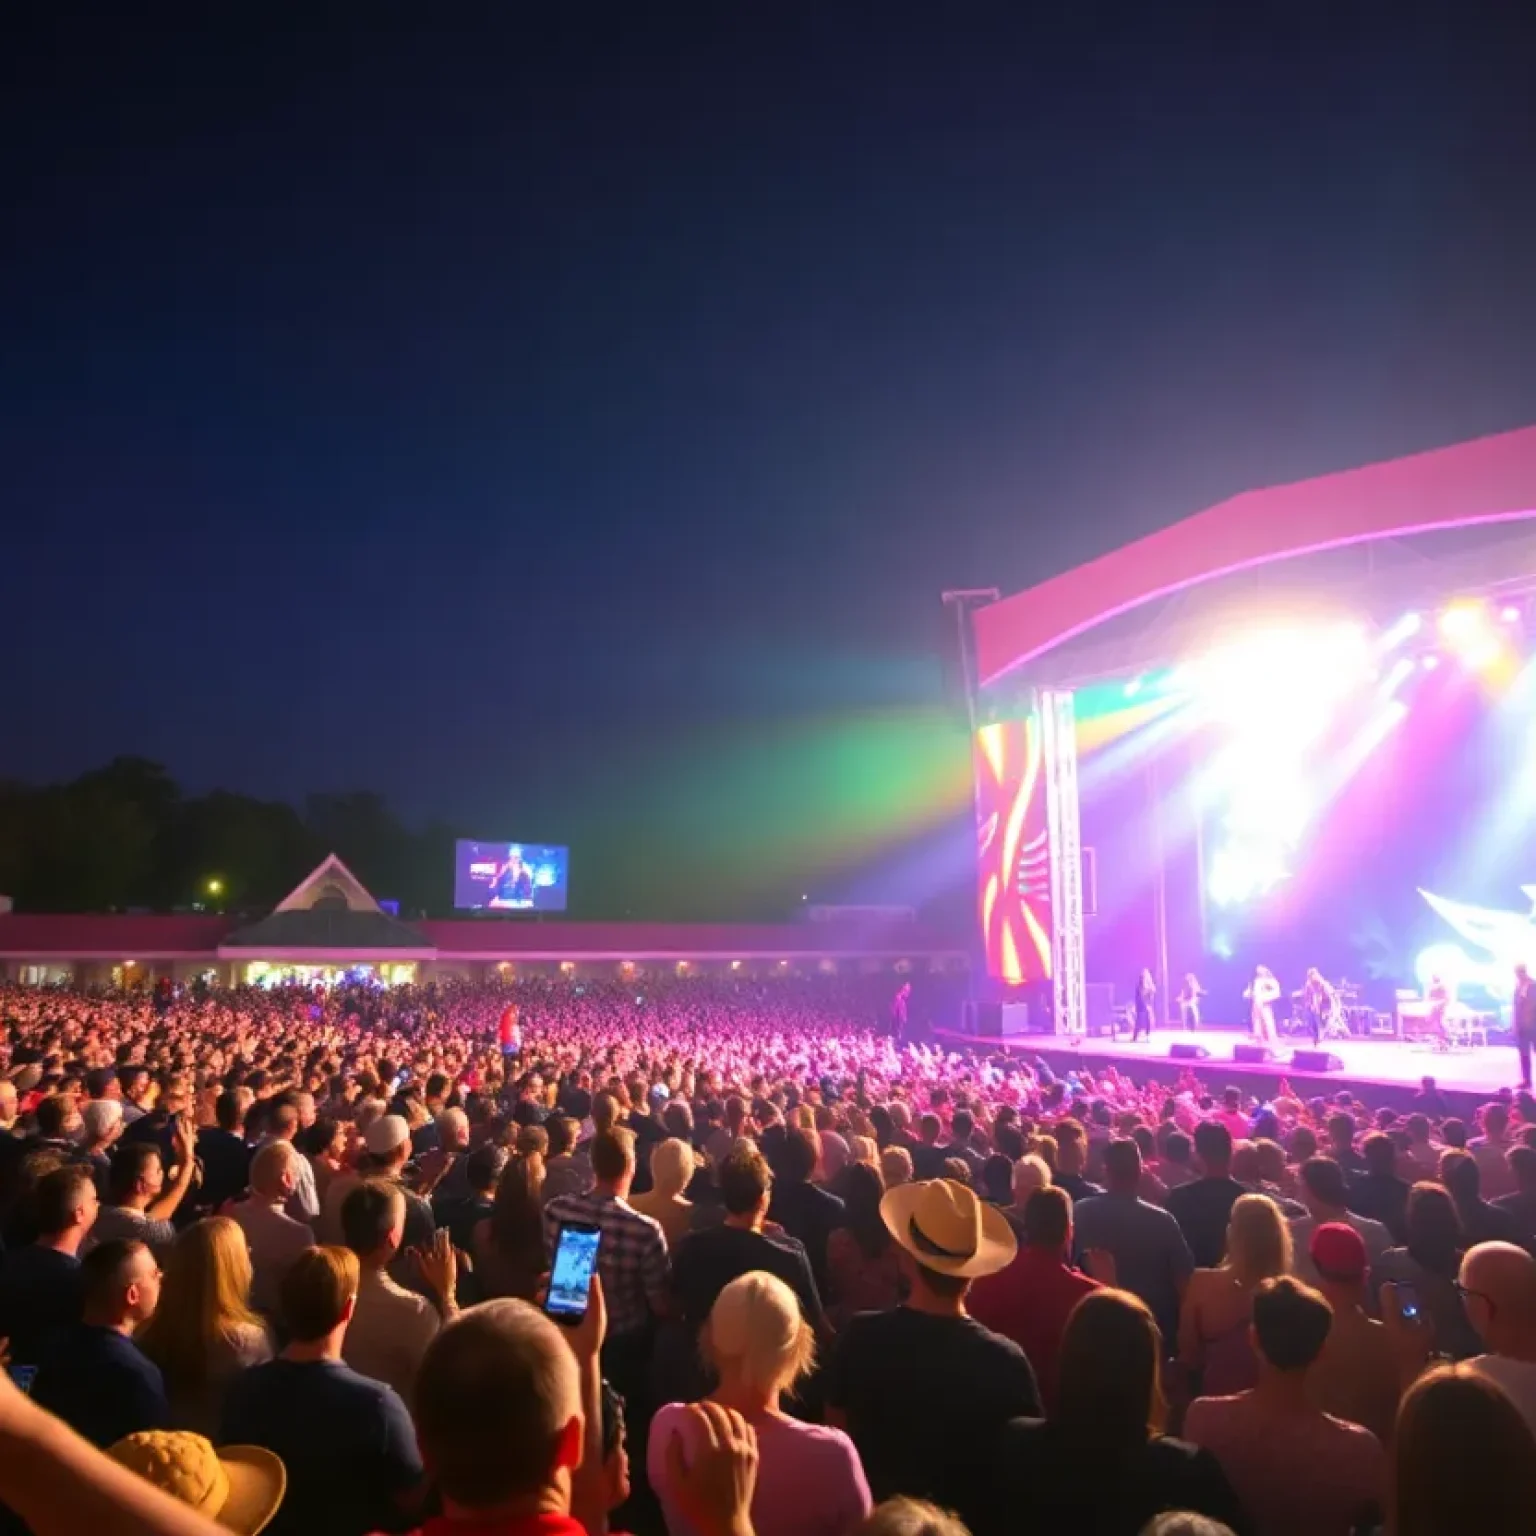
631, 1258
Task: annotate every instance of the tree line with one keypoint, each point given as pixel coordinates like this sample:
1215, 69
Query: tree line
125, 836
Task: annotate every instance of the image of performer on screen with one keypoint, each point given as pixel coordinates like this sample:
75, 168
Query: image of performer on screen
1146, 998
1189, 1001
1320, 1003
1523, 1017
512, 884
1262, 994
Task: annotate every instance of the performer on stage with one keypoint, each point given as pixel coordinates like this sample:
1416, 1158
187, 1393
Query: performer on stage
1320, 1002
1523, 1016
1189, 1002
1146, 996
1262, 994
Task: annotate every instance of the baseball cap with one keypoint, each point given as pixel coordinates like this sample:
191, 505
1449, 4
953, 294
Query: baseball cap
387, 1134
1338, 1251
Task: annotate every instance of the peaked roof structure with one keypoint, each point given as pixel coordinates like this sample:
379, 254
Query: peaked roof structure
330, 909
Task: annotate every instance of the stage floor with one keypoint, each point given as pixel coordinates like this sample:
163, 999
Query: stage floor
1479, 1070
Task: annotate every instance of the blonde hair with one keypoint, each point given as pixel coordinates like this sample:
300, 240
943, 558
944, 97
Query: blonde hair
862, 1149
896, 1166
1030, 1173
672, 1165
204, 1301
755, 1327
910, 1517
1258, 1240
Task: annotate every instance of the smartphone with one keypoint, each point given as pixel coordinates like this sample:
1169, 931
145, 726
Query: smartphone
23, 1376
570, 1276
1407, 1301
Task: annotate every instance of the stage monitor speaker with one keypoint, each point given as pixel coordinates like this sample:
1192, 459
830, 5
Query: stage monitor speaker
985, 1020
1014, 1020
1185, 1052
1316, 1061
1251, 1052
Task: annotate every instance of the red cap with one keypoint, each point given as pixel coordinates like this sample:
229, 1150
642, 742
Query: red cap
1338, 1251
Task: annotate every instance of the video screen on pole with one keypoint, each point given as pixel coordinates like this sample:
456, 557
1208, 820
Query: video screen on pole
510, 877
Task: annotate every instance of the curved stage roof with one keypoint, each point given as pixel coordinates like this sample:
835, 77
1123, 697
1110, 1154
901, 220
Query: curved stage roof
1481, 484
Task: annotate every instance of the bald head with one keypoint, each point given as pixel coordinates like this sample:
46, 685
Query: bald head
498, 1406
1500, 1284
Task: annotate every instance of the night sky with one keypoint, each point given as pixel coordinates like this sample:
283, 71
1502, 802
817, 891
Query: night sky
564, 419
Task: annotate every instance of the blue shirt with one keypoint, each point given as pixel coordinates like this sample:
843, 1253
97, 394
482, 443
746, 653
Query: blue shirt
101, 1385
40, 1296
345, 1439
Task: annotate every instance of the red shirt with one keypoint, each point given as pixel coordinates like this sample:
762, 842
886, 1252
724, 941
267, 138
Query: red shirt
1030, 1302
521, 1525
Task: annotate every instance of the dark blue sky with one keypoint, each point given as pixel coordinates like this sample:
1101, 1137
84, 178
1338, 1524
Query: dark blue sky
470, 410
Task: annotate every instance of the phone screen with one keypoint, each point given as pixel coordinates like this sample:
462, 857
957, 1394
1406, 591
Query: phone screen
1407, 1301
570, 1276
23, 1376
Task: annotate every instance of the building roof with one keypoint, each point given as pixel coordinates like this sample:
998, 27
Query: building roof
110, 936
336, 930
490, 939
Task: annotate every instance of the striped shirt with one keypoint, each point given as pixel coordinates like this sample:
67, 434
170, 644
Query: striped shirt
631, 1258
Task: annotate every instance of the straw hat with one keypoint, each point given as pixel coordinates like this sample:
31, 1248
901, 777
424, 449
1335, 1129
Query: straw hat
947, 1229
239, 1486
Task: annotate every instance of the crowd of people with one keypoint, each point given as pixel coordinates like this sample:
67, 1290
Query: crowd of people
275, 1260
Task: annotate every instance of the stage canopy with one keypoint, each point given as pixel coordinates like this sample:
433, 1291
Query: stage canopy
1071, 627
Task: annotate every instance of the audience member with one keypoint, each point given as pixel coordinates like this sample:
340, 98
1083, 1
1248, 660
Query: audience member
666, 1202
804, 1210
760, 1346
1294, 1467
510, 1251
273, 1237
890, 1368
1214, 1340
1498, 1285
41, 1291
1203, 1207
1427, 1267
92, 1375
1358, 1376
1325, 1194
1465, 1460
1151, 1258
346, 1441
1100, 1462
391, 1327
139, 1202
864, 1272
203, 1332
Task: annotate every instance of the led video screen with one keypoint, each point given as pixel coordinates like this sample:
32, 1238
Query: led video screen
510, 877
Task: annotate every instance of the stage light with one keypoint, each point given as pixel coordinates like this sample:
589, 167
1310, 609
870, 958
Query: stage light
1461, 621
1430, 662
1405, 629
1510, 614
1402, 669
1133, 687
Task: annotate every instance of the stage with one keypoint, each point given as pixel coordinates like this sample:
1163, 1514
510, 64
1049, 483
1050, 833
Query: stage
1384, 1071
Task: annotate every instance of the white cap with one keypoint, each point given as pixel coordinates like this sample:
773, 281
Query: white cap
387, 1134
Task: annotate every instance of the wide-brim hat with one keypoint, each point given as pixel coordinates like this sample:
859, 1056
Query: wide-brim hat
947, 1229
240, 1487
